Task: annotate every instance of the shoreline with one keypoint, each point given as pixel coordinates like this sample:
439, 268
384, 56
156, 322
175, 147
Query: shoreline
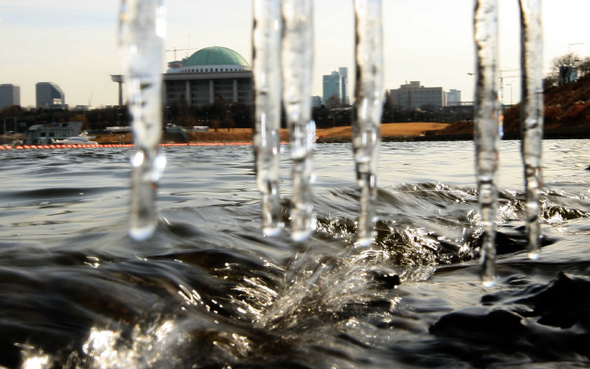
403, 131
570, 133
390, 132
395, 132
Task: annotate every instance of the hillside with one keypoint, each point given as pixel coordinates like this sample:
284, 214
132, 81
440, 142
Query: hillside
567, 109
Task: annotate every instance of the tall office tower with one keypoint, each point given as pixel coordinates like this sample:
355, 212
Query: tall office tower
344, 81
49, 95
454, 97
9, 95
332, 86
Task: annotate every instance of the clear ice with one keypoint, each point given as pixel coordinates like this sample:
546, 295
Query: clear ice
142, 31
266, 64
285, 28
487, 124
532, 115
369, 92
297, 63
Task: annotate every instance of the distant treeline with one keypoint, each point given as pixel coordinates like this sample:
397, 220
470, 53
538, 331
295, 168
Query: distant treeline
219, 115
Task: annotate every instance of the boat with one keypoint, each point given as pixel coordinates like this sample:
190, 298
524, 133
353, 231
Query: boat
81, 139
44, 134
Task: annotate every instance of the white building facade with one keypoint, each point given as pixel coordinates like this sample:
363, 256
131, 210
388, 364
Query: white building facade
415, 96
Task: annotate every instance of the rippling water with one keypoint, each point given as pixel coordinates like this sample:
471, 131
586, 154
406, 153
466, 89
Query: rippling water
209, 291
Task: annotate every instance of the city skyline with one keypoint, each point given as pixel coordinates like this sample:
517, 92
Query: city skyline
74, 44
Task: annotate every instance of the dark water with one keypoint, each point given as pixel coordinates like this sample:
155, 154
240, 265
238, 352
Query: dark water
208, 291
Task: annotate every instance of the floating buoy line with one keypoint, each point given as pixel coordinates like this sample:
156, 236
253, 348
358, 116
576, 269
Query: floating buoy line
45, 147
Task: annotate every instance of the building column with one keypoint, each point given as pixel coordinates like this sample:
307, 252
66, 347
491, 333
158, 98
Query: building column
235, 91
187, 92
211, 92
120, 93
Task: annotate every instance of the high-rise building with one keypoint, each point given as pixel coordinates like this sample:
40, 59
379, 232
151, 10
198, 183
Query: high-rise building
336, 84
50, 95
9, 95
332, 86
454, 97
413, 95
344, 81
316, 101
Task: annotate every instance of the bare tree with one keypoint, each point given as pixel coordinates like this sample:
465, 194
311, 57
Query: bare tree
550, 81
332, 102
565, 67
584, 66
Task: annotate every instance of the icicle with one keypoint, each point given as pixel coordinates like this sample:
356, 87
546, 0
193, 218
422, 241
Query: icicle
297, 59
487, 128
532, 115
267, 94
142, 32
369, 105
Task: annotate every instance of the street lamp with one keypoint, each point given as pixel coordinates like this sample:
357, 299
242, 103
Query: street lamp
569, 47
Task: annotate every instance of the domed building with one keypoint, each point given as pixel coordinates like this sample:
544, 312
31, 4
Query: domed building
206, 75
212, 58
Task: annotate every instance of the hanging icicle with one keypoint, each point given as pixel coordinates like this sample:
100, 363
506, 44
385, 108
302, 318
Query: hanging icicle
297, 59
532, 115
266, 48
142, 32
487, 136
369, 105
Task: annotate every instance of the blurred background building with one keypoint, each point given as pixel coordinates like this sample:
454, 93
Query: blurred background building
50, 95
207, 75
9, 95
335, 85
415, 96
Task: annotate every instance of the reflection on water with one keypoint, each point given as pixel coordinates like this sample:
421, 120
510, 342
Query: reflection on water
209, 291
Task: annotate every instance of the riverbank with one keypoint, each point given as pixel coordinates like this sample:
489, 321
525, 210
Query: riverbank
413, 131
336, 134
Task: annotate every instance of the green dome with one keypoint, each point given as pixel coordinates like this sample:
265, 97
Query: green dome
215, 55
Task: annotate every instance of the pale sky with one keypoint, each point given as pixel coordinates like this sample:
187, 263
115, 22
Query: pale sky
74, 42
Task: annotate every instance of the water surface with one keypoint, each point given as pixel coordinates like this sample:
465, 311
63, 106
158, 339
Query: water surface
209, 291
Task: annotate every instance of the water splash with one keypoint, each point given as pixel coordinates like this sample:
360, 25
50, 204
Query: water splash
297, 60
532, 115
369, 105
267, 95
487, 136
142, 32
142, 347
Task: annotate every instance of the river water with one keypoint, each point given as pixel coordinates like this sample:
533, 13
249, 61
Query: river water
209, 291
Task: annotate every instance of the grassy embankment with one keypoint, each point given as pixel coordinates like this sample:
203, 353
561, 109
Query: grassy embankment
245, 134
